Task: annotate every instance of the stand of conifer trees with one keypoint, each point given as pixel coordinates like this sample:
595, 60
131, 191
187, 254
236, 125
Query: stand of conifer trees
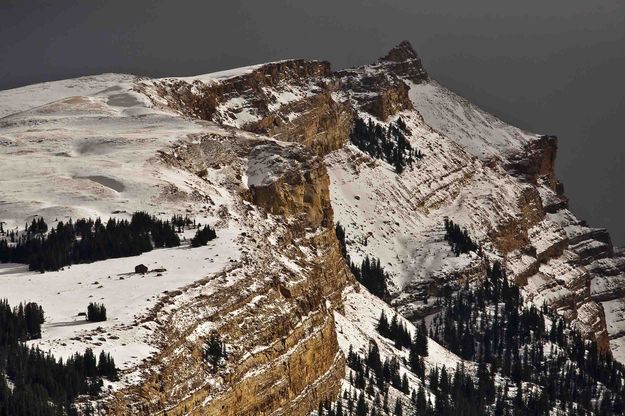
87, 241
369, 273
490, 325
41, 385
389, 144
458, 238
456, 394
214, 350
372, 276
528, 361
20, 323
203, 236
96, 312
38, 226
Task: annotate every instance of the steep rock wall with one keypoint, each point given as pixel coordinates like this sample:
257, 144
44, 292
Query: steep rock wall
276, 318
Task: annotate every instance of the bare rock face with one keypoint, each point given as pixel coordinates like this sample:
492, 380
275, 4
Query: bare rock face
202, 99
290, 186
513, 233
277, 318
289, 100
318, 122
377, 91
403, 61
537, 161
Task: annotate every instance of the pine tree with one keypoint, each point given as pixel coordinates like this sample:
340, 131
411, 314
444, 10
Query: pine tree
383, 327
405, 385
399, 410
361, 406
339, 408
421, 402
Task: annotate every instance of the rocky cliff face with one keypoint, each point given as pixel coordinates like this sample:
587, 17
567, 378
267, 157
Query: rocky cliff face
404, 62
276, 318
376, 90
496, 180
537, 161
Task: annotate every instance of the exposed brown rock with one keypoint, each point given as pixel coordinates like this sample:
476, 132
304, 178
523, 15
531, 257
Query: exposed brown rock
299, 188
512, 234
283, 355
537, 161
402, 60
319, 123
378, 92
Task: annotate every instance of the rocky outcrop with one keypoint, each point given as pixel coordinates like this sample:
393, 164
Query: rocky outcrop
376, 91
296, 188
379, 88
201, 99
318, 122
404, 62
537, 161
290, 100
276, 319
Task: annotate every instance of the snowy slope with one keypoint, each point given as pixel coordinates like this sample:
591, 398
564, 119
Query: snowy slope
20, 99
128, 297
218, 76
113, 144
91, 147
478, 132
91, 155
464, 176
399, 218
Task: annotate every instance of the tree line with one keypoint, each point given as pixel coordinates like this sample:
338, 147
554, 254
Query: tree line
86, 241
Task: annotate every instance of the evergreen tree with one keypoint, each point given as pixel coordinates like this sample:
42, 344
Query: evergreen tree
383, 327
399, 409
340, 235
203, 236
361, 406
214, 350
96, 312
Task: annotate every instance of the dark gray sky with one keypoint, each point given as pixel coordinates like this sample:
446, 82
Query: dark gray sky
551, 66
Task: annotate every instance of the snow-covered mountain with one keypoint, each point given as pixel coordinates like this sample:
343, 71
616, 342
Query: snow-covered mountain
264, 155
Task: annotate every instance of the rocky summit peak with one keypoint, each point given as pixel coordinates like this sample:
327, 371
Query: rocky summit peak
400, 53
404, 61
